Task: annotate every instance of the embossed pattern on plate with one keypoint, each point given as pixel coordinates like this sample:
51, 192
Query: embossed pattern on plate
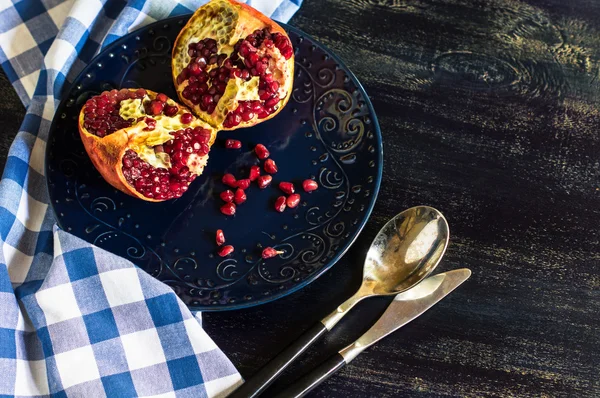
328, 131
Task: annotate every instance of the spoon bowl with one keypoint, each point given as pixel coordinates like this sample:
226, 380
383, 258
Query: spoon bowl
404, 252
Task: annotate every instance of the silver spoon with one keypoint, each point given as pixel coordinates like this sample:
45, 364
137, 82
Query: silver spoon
404, 252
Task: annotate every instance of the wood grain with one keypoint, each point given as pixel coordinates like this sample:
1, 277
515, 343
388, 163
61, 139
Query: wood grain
489, 111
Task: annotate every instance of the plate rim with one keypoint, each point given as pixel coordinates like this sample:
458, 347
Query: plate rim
345, 247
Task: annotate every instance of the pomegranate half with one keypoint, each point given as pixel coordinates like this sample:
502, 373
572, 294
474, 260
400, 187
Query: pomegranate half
232, 65
144, 143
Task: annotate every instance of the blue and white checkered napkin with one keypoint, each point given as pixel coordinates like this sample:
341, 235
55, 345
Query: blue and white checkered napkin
76, 320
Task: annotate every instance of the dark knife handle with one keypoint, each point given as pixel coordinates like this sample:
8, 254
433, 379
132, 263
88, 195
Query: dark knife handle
265, 376
309, 381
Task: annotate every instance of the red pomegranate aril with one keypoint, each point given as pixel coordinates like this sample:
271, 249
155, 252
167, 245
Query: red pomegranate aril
162, 97
186, 118
220, 238
228, 209
280, 204
240, 196
229, 179
310, 185
269, 252
225, 251
227, 196
287, 187
261, 151
293, 201
243, 184
156, 107
194, 68
233, 144
264, 181
254, 173
171, 110
270, 166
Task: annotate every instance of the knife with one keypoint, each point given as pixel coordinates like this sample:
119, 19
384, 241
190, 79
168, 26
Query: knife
405, 307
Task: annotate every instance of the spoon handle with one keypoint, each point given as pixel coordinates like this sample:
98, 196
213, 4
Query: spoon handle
265, 376
309, 381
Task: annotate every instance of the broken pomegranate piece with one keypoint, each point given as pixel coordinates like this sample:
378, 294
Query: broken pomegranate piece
269, 252
232, 65
141, 150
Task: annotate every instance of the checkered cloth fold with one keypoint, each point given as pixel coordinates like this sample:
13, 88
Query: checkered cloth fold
76, 320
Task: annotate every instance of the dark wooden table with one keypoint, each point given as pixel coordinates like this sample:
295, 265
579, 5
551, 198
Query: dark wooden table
490, 113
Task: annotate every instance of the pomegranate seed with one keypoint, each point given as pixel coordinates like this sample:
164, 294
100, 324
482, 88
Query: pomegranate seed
264, 181
156, 107
269, 252
270, 166
280, 204
261, 151
310, 185
228, 209
254, 173
240, 196
233, 144
243, 184
225, 251
287, 187
229, 179
162, 97
171, 110
293, 201
227, 196
186, 118
220, 237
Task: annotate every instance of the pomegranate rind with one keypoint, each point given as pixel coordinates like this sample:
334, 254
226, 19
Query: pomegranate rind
106, 153
226, 21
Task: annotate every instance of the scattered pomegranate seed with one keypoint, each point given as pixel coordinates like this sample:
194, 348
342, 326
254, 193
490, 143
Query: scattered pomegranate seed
280, 204
269, 252
229, 179
156, 107
244, 184
264, 181
254, 173
227, 196
310, 185
220, 237
186, 118
162, 97
261, 151
228, 209
171, 110
287, 187
293, 201
233, 144
240, 196
270, 166
225, 251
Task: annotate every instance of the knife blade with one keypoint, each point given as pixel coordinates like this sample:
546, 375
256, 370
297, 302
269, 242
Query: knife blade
407, 306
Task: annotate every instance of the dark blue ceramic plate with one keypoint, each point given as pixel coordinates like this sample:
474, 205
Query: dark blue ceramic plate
328, 131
